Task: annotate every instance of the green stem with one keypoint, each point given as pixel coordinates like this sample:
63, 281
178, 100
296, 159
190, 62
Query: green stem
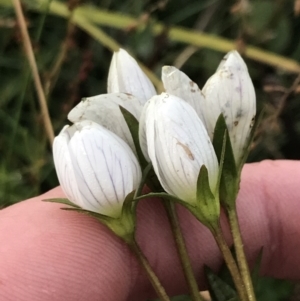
240, 253
150, 273
183, 254
230, 262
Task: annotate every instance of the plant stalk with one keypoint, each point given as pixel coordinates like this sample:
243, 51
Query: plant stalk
240, 253
183, 254
230, 262
150, 273
34, 69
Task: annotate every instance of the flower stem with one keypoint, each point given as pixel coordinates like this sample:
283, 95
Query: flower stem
183, 254
150, 273
240, 253
230, 262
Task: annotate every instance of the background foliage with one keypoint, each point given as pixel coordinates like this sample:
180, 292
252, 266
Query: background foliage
73, 42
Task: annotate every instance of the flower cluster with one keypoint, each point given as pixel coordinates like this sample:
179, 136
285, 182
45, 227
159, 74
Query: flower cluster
96, 158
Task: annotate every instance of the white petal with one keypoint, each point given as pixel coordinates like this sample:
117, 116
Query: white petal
178, 145
105, 167
104, 110
142, 127
230, 91
126, 76
179, 84
63, 166
233, 59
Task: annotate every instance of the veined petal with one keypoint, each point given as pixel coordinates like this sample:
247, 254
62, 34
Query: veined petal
105, 167
178, 145
64, 167
104, 110
179, 84
230, 91
126, 76
147, 110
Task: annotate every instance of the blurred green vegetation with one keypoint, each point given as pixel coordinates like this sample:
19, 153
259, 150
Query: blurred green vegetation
73, 42
84, 54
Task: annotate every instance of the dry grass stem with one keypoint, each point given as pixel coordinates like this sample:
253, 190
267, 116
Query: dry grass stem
33, 66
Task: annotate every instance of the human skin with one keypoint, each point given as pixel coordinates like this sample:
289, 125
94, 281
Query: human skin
54, 255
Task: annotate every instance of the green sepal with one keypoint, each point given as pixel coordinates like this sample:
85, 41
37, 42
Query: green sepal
133, 126
169, 197
221, 162
207, 209
144, 179
62, 201
90, 213
165, 196
219, 290
230, 177
123, 226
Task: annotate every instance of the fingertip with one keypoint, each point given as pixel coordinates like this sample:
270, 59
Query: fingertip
49, 253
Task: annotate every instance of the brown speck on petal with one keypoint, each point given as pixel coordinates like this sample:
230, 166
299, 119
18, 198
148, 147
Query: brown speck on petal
187, 150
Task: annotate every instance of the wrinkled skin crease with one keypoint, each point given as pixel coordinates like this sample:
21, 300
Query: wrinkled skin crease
50, 254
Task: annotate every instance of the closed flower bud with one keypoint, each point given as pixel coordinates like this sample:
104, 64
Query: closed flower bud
95, 168
126, 76
178, 146
179, 84
104, 110
230, 91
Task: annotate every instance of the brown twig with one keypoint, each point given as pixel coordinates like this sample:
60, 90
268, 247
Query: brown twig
52, 76
272, 124
286, 95
33, 66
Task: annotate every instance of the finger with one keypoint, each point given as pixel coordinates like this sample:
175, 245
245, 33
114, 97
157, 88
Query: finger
50, 254
46, 252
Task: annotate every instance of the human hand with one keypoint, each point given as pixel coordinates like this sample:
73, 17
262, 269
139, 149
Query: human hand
53, 255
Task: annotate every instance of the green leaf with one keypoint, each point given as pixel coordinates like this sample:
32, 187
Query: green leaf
267, 288
62, 201
218, 288
133, 126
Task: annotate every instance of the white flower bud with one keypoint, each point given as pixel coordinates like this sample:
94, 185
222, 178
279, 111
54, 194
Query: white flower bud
126, 76
178, 145
230, 91
179, 84
95, 168
104, 110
